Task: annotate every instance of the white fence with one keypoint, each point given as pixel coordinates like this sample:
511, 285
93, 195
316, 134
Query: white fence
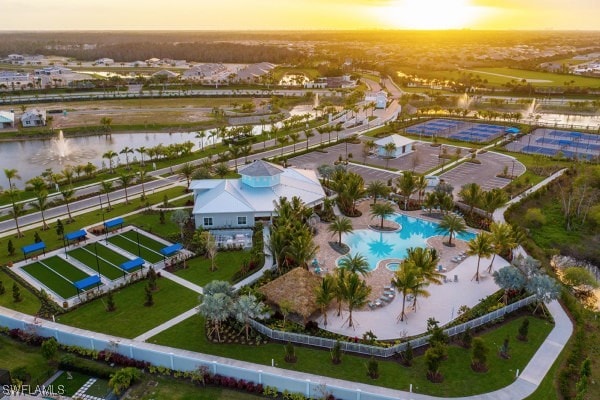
386, 351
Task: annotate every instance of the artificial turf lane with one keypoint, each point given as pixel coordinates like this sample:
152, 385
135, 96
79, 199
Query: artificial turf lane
144, 240
131, 246
51, 279
108, 260
65, 269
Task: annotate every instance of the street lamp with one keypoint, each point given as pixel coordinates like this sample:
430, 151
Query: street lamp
137, 234
512, 173
65, 246
96, 253
100, 199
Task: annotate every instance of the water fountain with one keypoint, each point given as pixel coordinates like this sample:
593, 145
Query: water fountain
62, 151
60, 146
316, 100
464, 101
529, 113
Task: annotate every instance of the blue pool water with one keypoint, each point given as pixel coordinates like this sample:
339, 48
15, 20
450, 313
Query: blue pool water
376, 246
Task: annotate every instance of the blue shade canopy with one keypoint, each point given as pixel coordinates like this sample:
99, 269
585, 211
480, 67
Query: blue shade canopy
131, 264
113, 222
87, 282
512, 130
30, 248
172, 249
76, 235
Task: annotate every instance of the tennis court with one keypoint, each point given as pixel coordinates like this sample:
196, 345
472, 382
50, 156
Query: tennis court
148, 248
108, 260
552, 142
459, 130
56, 274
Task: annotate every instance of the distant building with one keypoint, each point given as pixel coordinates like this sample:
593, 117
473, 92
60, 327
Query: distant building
331, 82
166, 73
402, 144
13, 80
252, 71
53, 70
34, 117
239, 203
7, 119
16, 57
379, 98
104, 61
204, 71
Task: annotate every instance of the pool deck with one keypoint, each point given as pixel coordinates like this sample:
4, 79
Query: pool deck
443, 304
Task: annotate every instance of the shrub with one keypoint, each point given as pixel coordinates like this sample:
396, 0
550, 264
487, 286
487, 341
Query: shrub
467, 338
479, 355
70, 363
336, 353
50, 349
373, 368
534, 218
523, 330
110, 302
2, 289
290, 353
433, 359
408, 355
505, 349
16, 293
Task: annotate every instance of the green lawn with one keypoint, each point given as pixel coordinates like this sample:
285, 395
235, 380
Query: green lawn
15, 355
228, 262
108, 260
64, 268
460, 380
29, 304
131, 246
172, 389
51, 279
70, 386
132, 318
145, 241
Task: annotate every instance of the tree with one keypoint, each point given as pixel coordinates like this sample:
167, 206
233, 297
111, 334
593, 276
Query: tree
523, 330
180, 217
127, 151
407, 186
544, 288
405, 279
356, 264
10, 248
339, 226
216, 309
106, 187
425, 261
109, 155
221, 170
60, 229
201, 135
246, 308
16, 209
492, 199
16, 293
502, 240
336, 353
377, 189
373, 368
2, 288
125, 180
382, 210
479, 355
290, 353
142, 150
10, 175
433, 359
122, 379
50, 349
68, 194
148, 295
324, 295
38, 187
510, 279
308, 133
302, 248
451, 225
209, 245
389, 150
471, 195
187, 170
480, 246
106, 122
356, 294
110, 302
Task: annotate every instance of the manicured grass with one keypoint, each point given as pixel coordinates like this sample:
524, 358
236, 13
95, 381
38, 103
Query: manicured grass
228, 262
108, 260
145, 241
29, 304
70, 386
172, 389
64, 268
552, 78
51, 279
460, 379
131, 246
15, 355
131, 317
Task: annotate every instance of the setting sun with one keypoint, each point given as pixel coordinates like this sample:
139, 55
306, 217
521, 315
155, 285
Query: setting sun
431, 14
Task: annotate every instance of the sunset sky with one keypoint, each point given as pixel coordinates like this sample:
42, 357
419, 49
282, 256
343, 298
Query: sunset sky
298, 14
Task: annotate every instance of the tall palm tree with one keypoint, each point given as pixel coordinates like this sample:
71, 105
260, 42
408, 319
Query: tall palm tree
356, 264
234, 153
13, 193
245, 151
407, 186
106, 187
201, 135
16, 209
142, 150
480, 246
426, 261
339, 226
282, 139
125, 179
502, 240
493, 199
142, 173
246, 308
324, 295
405, 278
109, 155
340, 288
67, 173
420, 186
302, 249
382, 210
187, 170
38, 187
451, 225
470, 194
89, 169
377, 189
308, 133
356, 294
68, 194
295, 138
389, 149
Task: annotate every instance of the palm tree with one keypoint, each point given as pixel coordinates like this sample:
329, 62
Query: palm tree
356, 294
127, 151
201, 135
13, 192
339, 226
187, 170
377, 189
234, 153
67, 173
308, 133
106, 122
68, 194
324, 295
38, 187
480, 246
283, 139
470, 194
340, 288
142, 173
502, 240
407, 186
356, 264
405, 278
17, 208
106, 187
125, 180
295, 138
109, 155
451, 225
302, 249
246, 308
216, 308
493, 199
382, 210
89, 169
389, 149
420, 186
246, 150
142, 150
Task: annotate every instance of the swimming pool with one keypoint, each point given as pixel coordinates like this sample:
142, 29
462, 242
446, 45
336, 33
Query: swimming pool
376, 246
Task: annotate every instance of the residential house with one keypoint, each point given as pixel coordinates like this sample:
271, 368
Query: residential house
402, 144
166, 73
379, 98
7, 119
239, 203
11, 80
104, 61
34, 117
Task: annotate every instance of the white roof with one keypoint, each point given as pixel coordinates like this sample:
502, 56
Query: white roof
218, 196
398, 140
7, 117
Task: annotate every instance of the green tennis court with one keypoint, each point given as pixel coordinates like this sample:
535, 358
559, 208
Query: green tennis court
108, 260
53, 278
130, 245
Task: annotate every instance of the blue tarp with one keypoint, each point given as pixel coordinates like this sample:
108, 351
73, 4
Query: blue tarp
131, 264
172, 249
76, 235
30, 248
87, 282
113, 222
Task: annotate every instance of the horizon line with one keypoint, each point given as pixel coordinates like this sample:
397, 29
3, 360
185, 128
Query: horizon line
283, 30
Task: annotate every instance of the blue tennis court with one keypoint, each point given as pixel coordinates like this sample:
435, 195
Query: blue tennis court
576, 136
458, 130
